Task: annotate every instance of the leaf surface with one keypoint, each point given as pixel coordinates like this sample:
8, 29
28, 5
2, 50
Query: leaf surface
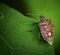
18, 35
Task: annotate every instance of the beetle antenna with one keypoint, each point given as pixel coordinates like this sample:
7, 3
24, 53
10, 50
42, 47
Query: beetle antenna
31, 14
42, 14
43, 11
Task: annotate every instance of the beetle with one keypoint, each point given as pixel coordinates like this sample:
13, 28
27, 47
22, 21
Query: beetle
46, 29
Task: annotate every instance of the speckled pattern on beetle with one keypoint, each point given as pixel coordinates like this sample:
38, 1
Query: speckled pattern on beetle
46, 29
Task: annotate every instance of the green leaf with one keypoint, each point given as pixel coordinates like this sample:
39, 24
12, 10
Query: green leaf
18, 35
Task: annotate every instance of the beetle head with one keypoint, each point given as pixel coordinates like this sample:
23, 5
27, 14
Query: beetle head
42, 17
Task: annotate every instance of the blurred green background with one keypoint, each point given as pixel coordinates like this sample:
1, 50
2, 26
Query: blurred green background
14, 24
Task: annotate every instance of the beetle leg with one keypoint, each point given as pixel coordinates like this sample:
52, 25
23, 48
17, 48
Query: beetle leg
35, 23
1, 15
53, 25
29, 30
39, 36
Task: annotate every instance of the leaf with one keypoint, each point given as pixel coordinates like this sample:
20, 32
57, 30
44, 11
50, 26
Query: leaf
15, 37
